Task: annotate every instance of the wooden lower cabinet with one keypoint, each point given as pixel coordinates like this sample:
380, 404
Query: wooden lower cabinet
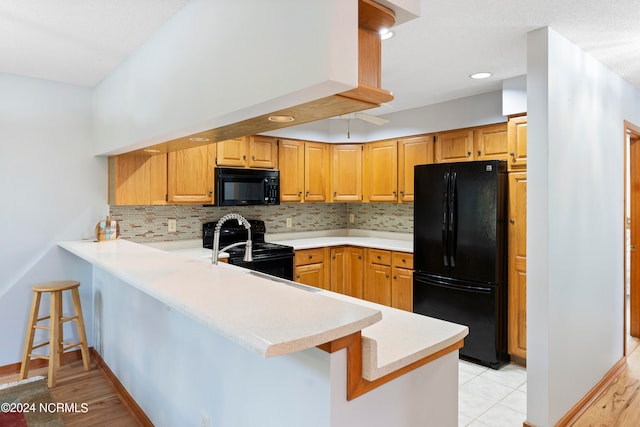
311, 267
347, 270
402, 281
518, 265
381, 276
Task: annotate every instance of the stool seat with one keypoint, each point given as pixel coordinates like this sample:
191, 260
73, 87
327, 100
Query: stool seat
56, 343
58, 286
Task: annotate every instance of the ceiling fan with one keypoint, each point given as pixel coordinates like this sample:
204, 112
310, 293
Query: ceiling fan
362, 116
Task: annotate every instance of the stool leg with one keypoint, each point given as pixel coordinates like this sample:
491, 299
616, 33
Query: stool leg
33, 319
84, 348
54, 324
60, 329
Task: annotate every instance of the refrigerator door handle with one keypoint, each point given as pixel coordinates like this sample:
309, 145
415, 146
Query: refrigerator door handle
461, 288
445, 214
452, 219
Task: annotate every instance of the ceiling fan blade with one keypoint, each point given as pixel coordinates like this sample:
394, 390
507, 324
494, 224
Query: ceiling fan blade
371, 119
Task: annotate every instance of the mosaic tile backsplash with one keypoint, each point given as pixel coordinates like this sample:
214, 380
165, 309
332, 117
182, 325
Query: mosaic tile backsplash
149, 223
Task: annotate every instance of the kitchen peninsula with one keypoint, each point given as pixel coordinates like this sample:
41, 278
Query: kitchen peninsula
195, 342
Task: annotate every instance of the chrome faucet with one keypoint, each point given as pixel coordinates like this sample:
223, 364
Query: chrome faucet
216, 238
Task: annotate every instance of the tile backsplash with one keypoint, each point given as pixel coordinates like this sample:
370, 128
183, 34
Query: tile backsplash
149, 223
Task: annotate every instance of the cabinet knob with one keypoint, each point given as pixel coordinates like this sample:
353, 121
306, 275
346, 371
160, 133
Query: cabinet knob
404, 260
512, 221
298, 276
359, 257
395, 277
386, 275
479, 152
244, 157
210, 192
335, 193
512, 154
299, 193
310, 256
468, 153
402, 193
253, 157
379, 257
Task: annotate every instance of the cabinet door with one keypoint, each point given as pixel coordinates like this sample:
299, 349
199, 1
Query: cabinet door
377, 286
518, 264
291, 161
190, 174
402, 289
137, 179
232, 152
355, 272
381, 171
338, 267
454, 146
263, 152
311, 274
411, 152
316, 172
517, 135
491, 142
346, 172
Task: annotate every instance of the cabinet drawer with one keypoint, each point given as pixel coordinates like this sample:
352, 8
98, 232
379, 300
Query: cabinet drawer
403, 260
379, 256
309, 256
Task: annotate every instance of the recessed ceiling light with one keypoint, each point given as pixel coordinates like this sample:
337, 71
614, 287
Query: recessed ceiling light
281, 119
482, 75
149, 150
386, 34
198, 139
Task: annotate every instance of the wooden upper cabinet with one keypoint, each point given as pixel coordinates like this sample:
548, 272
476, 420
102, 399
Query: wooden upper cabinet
232, 152
381, 171
412, 151
517, 135
256, 151
491, 142
454, 146
190, 174
263, 152
137, 179
316, 172
346, 172
291, 161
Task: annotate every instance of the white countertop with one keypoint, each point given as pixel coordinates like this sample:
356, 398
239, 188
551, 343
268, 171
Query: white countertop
270, 317
368, 242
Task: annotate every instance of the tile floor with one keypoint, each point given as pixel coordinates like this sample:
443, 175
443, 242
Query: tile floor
490, 398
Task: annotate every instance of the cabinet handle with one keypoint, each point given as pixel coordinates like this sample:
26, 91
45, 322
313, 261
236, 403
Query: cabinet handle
404, 260
395, 278
512, 221
253, 157
335, 193
468, 153
299, 193
402, 193
298, 276
210, 192
394, 193
386, 276
244, 157
310, 256
359, 257
479, 152
512, 154
379, 257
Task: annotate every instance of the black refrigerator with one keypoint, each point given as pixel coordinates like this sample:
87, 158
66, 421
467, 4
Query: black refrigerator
460, 252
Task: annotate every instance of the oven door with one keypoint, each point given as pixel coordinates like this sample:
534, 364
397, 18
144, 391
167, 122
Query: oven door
275, 265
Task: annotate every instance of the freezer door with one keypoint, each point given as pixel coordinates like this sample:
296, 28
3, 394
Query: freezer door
477, 238
431, 216
480, 307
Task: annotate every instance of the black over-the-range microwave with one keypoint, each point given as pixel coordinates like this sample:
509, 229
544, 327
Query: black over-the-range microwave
243, 187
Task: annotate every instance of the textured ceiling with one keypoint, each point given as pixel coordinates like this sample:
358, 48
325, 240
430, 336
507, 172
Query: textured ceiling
429, 60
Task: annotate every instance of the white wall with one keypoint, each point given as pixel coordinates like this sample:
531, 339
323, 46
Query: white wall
576, 108
219, 62
52, 189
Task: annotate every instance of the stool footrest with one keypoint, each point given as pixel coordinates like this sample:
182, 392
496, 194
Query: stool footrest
39, 356
68, 319
41, 327
70, 345
40, 345
40, 319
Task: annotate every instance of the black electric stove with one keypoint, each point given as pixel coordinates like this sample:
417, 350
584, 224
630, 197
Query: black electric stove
270, 258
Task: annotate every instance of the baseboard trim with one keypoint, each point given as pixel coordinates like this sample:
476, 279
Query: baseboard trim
14, 368
589, 398
122, 392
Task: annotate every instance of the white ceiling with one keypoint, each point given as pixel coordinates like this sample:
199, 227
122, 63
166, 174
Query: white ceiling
429, 60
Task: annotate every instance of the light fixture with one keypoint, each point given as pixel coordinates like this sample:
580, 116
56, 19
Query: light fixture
281, 119
481, 75
198, 139
150, 150
386, 34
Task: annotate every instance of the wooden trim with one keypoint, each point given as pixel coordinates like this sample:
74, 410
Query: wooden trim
356, 385
120, 391
14, 368
527, 424
590, 398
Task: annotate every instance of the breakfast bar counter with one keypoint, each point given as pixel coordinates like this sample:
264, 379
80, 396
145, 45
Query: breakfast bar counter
159, 313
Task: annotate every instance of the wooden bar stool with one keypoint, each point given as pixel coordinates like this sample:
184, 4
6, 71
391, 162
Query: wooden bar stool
57, 345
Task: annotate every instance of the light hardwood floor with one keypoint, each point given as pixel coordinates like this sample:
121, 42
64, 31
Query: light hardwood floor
619, 405
75, 385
